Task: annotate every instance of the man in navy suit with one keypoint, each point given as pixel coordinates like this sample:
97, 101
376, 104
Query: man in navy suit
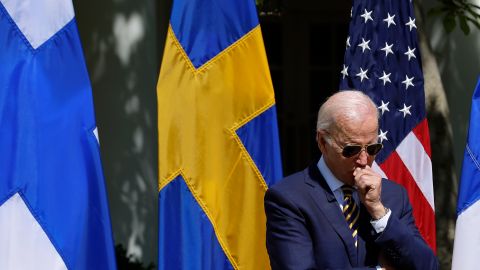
339, 213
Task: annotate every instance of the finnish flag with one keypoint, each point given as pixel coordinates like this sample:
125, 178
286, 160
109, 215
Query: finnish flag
53, 202
467, 233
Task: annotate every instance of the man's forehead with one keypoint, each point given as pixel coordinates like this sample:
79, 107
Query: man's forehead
367, 123
348, 131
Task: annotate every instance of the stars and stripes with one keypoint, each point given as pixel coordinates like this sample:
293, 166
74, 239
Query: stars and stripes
408, 81
383, 61
385, 78
389, 20
384, 107
387, 49
364, 45
410, 53
367, 15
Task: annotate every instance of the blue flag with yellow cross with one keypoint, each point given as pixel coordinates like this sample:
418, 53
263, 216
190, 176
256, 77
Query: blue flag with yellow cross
218, 138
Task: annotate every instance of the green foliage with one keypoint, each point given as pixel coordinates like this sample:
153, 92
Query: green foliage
466, 13
269, 7
125, 262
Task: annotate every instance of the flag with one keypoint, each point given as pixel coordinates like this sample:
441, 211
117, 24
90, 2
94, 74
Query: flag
382, 59
467, 235
53, 202
218, 138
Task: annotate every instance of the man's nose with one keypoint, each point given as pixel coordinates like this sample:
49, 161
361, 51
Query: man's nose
362, 159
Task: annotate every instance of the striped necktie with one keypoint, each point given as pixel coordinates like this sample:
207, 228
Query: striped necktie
350, 211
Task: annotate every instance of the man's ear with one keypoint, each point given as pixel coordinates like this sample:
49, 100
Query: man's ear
321, 142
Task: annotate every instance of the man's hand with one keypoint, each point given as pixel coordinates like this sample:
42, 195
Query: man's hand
369, 187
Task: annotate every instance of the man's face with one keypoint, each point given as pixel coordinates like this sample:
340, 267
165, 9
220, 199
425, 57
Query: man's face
348, 132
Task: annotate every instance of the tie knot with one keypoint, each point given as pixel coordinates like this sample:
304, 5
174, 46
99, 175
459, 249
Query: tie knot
347, 190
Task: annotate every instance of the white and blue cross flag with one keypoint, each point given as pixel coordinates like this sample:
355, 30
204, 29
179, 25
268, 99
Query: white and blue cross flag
53, 203
467, 234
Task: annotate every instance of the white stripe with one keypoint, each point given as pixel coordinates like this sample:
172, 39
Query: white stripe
95, 133
24, 245
419, 165
467, 239
379, 170
39, 19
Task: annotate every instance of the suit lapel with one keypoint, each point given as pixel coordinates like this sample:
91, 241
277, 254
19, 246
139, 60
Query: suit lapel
326, 202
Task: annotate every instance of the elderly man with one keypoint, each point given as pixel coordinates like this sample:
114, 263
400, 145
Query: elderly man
339, 213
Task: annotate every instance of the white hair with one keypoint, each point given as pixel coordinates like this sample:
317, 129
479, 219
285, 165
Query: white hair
346, 104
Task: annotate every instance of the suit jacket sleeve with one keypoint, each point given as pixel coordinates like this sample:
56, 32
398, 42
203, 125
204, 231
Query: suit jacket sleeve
401, 242
288, 241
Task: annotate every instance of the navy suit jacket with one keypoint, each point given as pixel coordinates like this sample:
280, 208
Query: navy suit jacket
306, 229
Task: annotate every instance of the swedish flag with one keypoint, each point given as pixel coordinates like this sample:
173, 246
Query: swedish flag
218, 138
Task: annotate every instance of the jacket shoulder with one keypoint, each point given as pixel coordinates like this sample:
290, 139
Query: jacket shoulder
291, 182
391, 186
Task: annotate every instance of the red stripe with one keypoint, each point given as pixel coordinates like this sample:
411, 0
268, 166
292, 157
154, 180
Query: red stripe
423, 213
423, 135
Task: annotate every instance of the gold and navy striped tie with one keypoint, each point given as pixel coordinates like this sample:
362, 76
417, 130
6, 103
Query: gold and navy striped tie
350, 211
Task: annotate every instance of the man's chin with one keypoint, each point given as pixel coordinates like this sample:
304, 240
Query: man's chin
349, 181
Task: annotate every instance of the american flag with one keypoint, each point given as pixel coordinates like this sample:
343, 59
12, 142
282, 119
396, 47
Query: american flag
382, 59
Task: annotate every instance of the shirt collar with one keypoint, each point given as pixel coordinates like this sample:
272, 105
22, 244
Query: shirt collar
332, 181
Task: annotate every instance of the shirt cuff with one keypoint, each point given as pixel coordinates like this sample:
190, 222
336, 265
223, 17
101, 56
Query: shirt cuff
380, 224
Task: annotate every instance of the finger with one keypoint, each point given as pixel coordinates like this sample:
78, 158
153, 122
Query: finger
361, 173
367, 181
359, 179
368, 170
371, 172
356, 171
362, 182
